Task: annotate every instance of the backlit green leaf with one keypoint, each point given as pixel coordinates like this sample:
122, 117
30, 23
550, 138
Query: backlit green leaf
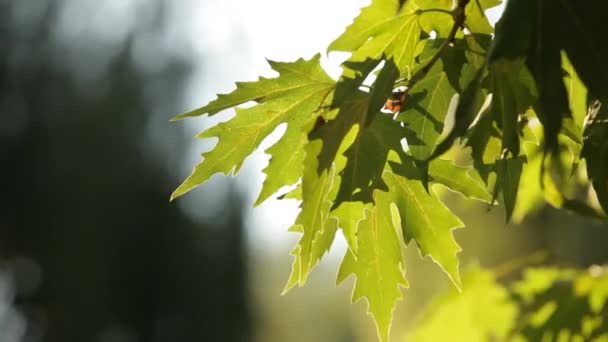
508, 173
379, 264
461, 179
294, 99
424, 218
466, 316
317, 228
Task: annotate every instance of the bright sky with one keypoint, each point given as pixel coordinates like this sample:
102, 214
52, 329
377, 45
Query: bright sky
233, 38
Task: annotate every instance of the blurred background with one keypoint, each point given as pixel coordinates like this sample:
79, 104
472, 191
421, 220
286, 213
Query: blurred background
90, 247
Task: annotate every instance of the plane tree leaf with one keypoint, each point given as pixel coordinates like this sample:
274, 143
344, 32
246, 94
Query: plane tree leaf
595, 149
369, 22
427, 105
378, 265
476, 20
464, 180
292, 98
313, 222
424, 218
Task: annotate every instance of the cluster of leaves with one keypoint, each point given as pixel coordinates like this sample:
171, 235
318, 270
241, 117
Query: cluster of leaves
547, 304
524, 103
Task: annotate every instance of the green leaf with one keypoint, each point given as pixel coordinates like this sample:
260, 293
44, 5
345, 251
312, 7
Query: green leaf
290, 151
292, 77
397, 41
584, 40
428, 102
432, 20
382, 89
512, 94
483, 311
292, 98
378, 265
577, 93
476, 20
317, 228
424, 218
530, 193
367, 157
544, 62
364, 161
352, 113
277, 175
466, 111
466, 181
560, 301
508, 173
370, 21
349, 214
385, 36
513, 30
595, 149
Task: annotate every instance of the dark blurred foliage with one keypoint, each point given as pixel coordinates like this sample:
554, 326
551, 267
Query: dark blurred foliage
96, 250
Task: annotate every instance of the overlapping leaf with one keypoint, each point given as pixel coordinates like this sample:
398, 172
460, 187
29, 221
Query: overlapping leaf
428, 101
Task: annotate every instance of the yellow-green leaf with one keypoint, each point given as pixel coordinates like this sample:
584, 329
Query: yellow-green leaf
378, 265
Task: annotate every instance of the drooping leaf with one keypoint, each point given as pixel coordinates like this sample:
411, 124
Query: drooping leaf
291, 98
317, 228
508, 173
595, 149
544, 62
512, 94
349, 214
584, 40
424, 218
485, 141
577, 93
364, 161
378, 265
513, 38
